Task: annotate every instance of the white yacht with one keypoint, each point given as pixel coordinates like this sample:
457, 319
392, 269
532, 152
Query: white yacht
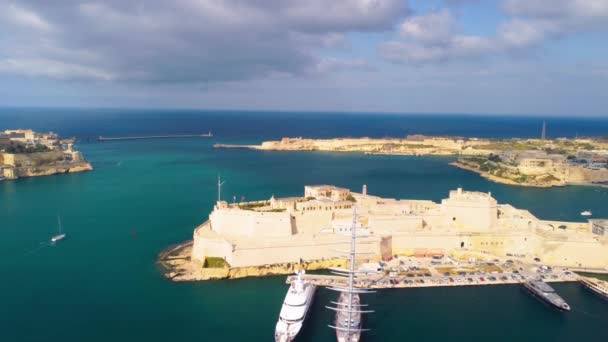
61, 235
295, 308
586, 213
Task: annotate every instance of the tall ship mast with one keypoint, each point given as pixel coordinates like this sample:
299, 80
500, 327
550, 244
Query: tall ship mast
348, 307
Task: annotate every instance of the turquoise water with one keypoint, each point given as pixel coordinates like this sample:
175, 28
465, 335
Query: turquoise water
101, 283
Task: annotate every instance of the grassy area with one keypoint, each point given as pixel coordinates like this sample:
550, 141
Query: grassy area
506, 146
214, 262
251, 206
453, 271
18, 148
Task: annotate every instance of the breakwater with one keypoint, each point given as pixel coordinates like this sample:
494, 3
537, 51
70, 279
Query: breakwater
204, 135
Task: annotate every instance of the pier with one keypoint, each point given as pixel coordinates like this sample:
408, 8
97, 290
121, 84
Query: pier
383, 281
204, 135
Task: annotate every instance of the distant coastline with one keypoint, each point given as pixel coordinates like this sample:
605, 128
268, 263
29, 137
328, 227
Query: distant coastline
518, 162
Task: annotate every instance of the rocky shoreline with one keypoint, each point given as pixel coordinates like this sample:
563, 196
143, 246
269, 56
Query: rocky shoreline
176, 264
48, 170
497, 179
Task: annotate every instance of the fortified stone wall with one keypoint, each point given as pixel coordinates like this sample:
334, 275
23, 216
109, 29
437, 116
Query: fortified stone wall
390, 224
578, 174
236, 222
305, 249
310, 223
32, 159
211, 247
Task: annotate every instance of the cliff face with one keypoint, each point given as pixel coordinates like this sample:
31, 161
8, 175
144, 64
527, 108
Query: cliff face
46, 170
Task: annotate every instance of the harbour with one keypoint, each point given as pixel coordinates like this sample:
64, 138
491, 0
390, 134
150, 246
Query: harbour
117, 291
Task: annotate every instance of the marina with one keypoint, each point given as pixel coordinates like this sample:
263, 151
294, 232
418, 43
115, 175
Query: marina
430, 277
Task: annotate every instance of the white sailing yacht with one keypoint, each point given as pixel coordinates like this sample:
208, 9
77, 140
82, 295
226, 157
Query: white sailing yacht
348, 307
295, 308
61, 235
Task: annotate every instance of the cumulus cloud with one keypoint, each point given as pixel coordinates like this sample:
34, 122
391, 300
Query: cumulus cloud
437, 36
182, 40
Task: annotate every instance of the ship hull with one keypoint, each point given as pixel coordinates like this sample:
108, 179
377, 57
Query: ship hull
341, 335
287, 332
597, 292
542, 299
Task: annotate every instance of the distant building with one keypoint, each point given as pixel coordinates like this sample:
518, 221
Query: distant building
599, 227
470, 210
5, 140
326, 191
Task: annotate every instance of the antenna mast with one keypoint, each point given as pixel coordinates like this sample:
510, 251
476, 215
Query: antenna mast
219, 188
543, 133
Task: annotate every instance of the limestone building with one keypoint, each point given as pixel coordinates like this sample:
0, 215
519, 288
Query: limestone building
313, 227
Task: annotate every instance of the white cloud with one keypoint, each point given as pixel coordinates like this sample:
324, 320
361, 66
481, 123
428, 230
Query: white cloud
557, 8
53, 69
436, 36
25, 18
435, 27
330, 64
184, 41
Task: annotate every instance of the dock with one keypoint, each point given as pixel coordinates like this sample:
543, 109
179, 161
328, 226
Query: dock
411, 280
205, 135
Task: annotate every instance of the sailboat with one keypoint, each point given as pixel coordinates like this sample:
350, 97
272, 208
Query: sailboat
348, 307
59, 236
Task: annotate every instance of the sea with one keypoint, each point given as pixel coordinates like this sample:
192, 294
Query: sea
102, 283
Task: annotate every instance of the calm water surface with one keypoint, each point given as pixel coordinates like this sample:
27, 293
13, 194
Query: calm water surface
101, 284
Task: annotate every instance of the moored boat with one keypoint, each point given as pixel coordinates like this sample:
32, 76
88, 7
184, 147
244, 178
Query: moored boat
547, 294
599, 287
295, 309
348, 319
347, 323
586, 213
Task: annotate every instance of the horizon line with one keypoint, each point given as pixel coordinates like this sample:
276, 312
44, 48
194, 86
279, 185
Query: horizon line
316, 111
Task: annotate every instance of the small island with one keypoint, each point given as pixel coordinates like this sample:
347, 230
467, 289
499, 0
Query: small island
522, 162
25, 153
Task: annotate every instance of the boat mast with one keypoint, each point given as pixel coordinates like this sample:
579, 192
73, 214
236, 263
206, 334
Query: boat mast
59, 221
351, 274
349, 289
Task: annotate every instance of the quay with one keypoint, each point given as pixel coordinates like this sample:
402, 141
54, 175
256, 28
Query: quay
205, 135
401, 281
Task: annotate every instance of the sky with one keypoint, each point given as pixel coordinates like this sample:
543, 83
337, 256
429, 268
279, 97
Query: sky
536, 57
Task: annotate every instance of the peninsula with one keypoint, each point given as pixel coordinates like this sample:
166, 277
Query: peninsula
524, 162
25, 153
278, 235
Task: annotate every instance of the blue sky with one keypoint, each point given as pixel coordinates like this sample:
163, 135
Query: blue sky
437, 56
